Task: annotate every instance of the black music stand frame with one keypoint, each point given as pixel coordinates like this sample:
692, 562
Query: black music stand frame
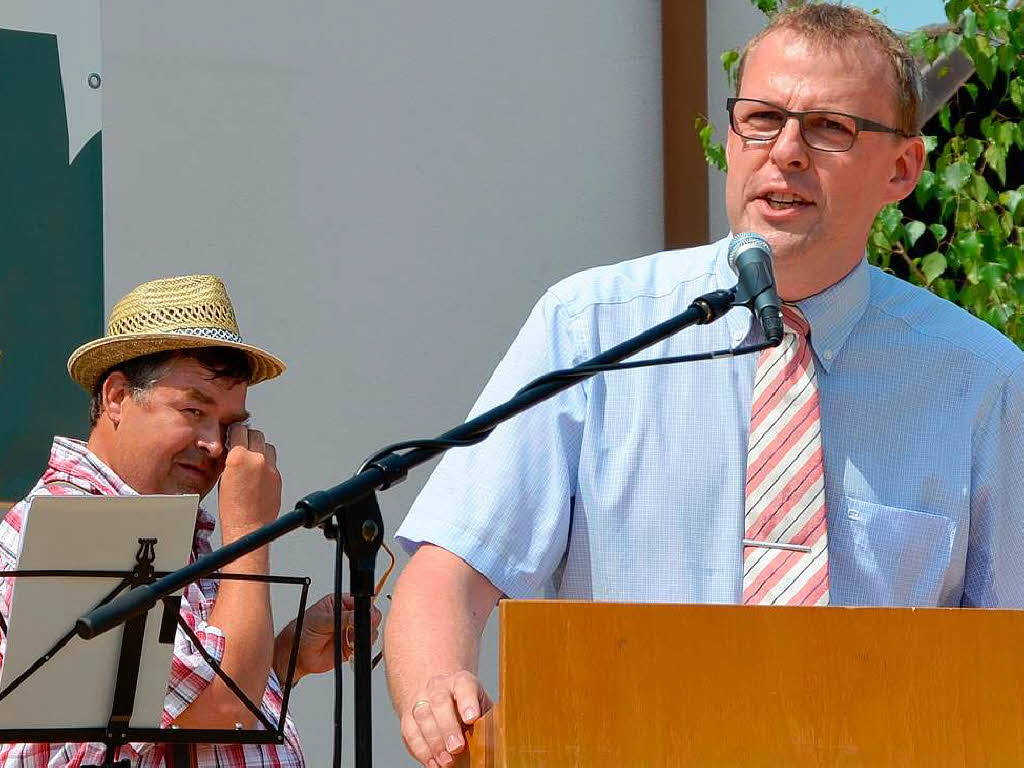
119, 731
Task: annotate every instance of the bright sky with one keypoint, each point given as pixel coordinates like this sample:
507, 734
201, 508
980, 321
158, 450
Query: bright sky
906, 15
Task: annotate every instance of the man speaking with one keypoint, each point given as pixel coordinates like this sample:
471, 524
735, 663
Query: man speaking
872, 458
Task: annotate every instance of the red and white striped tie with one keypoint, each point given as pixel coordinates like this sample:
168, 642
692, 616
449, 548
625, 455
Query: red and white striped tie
785, 546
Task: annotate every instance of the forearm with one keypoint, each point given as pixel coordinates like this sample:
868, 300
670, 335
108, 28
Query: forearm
242, 614
439, 611
282, 653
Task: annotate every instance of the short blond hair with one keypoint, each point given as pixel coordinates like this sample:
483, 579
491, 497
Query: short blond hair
834, 26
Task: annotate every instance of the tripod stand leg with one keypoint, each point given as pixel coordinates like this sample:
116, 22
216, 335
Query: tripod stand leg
364, 532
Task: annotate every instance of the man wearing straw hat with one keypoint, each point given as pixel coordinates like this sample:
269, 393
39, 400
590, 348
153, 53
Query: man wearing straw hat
168, 385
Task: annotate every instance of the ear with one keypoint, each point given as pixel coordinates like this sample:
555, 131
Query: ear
115, 393
907, 169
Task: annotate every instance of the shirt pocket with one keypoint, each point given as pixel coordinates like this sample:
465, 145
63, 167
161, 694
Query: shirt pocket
894, 556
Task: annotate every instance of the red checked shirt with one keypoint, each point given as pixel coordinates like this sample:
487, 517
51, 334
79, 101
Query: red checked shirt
72, 463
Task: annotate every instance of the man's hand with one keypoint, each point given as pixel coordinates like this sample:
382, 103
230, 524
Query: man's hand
431, 642
316, 642
250, 488
432, 727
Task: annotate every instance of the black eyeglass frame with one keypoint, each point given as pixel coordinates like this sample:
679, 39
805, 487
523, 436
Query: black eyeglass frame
861, 124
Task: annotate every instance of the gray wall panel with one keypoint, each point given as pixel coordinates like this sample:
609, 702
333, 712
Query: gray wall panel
386, 189
730, 24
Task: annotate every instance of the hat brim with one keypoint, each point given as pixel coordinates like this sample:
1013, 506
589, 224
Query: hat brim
90, 361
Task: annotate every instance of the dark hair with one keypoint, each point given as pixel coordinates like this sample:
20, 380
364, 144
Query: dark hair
144, 372
839, 27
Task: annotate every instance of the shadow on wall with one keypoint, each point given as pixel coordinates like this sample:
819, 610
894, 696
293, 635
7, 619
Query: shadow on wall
51, 259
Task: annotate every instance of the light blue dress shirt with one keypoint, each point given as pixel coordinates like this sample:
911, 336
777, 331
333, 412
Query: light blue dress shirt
629, 486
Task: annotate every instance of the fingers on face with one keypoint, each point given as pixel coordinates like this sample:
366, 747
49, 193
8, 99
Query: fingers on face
238, 434
257, 440
252, 439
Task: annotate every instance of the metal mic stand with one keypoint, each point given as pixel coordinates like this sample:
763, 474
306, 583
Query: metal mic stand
353, 505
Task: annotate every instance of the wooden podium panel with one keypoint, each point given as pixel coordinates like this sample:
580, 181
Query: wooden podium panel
599, 684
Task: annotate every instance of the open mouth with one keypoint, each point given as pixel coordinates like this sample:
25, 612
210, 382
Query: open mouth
779, 201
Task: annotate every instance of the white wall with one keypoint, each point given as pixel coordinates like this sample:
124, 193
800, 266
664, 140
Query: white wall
730, 24
386, 188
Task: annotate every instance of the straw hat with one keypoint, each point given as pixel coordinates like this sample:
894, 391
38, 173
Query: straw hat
168, 314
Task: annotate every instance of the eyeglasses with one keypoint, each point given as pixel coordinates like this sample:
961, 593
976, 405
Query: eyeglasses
758, 120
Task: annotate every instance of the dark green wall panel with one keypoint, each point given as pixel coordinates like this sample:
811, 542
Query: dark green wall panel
51, 259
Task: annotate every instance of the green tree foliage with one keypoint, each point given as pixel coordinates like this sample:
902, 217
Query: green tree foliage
961, 233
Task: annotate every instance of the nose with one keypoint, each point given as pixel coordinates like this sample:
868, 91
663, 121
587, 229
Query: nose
788, 149
211, 440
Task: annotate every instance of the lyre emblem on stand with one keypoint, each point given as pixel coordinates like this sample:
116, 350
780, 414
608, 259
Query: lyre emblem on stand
144, 559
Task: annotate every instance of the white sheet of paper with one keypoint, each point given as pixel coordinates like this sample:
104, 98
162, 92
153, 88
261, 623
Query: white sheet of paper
75, 689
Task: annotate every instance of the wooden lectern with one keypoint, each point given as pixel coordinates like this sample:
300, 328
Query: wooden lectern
602, 684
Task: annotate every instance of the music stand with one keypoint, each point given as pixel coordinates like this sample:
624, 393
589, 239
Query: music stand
111, 690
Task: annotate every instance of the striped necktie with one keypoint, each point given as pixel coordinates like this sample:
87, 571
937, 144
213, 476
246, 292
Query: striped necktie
785, 546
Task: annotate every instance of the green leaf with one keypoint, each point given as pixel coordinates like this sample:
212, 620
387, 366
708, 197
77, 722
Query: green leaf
987, 126
970, 23
972, 90
997, 20
1011, 199
949, 42
973, 147
1017, 93
984, 62
930, 143
956, 175
944, 118
891, 217
729, 61
989, 222
925, 189
956, 7
933, 265
939, 230
1006, 57
995, 156
767, 7
1005, 134
992, 275
980, 189
968, 247
914, 230
916, 42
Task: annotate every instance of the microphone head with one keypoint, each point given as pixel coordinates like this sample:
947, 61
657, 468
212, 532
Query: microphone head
744, 242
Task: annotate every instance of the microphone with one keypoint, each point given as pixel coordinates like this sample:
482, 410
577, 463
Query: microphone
750, 257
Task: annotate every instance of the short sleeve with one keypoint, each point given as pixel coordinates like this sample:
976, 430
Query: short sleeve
995, 549
504, 505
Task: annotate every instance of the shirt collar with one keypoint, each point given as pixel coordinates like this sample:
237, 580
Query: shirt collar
833, 313
72, 462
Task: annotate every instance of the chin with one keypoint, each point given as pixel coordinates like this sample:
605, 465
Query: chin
185, 487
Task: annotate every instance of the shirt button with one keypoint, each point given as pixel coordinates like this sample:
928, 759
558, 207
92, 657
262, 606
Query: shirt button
737, 335
827, 354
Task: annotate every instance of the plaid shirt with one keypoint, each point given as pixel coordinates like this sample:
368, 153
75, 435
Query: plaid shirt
72, 463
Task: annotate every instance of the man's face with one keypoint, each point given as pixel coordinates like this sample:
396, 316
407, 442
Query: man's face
816, 207
170, 439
